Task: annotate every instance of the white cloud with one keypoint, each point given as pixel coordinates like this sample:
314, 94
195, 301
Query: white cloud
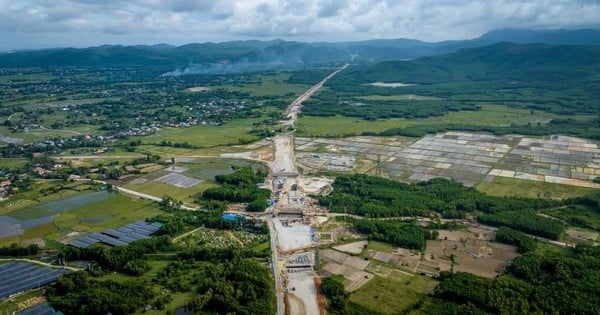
72, 22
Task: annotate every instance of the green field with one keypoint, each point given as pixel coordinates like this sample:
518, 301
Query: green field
489, 115
269, 85
158, 189
13, 163
207, 136
202, 168
393, 295
342, 125
179, 298
115, 211
398, 97
503, 186
380, 246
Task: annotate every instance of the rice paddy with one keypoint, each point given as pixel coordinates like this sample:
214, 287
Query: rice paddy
473, 158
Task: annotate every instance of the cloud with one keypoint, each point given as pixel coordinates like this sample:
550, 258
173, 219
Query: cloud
329, 8
72, 22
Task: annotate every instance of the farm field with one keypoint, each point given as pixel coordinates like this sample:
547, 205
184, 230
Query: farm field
489, 115
187, 178
398, 97
63, 219
268, 85
393, 295
207, 136
504, 186
473, 158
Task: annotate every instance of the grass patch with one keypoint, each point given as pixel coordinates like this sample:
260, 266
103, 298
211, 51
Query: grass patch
39, 231
124, 210
30, 213
12, 163
207, 136
489, 115
393, 295
158, 189
7, 241
262, 247
9, 306
269, 85
504, 186
399, 97
578, 216
342, 125
118, 209
380, 246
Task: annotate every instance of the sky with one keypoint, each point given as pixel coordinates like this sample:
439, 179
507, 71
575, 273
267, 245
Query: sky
26, 24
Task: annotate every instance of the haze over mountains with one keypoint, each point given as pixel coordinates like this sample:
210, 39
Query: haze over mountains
253, 55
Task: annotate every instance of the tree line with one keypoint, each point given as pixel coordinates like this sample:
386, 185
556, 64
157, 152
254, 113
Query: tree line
375, 197
532, 284
240, 186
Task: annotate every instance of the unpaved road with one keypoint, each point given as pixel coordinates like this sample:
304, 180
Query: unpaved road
41, 263
284, 155
284, 165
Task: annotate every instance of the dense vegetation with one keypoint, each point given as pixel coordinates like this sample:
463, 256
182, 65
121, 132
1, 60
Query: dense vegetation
527, 221
557, 80
222, 279
333, 288
408, 235
372, 196
509, 236
121, 258
375, 197
587, 128
78, 293
178, 221
532, 284
241, 286
16, 250
240, 186
321, 105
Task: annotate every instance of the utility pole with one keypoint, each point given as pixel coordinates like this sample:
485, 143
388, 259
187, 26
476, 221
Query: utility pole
378, 167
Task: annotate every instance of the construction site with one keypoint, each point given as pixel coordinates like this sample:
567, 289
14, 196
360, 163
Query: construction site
293, 222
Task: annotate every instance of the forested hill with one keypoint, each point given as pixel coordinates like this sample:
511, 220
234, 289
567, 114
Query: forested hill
227, 55
501, 61
239, 56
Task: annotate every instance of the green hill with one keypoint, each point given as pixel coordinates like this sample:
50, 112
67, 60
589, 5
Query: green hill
502, 61
239, 56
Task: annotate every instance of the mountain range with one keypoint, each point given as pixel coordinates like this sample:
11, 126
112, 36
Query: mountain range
252, 55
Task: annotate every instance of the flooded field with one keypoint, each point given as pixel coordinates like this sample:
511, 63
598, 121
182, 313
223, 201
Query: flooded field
469, 158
